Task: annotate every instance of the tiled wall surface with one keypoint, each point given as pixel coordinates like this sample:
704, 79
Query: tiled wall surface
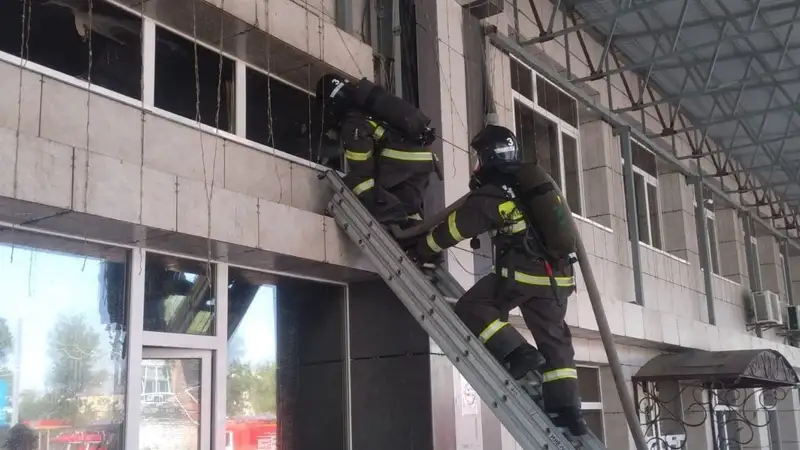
143, 168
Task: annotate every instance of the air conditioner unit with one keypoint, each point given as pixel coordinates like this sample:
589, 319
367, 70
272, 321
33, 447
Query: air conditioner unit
483, 9
766, 308
793, 318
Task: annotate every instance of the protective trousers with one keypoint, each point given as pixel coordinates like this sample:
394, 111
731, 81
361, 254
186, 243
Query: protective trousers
485, 310
397, 197
376, 156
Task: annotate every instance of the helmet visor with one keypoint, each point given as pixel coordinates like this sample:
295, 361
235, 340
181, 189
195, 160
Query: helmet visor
508, 152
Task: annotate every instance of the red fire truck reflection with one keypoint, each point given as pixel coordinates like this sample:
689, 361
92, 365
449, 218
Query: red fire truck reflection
251, 434
246, 433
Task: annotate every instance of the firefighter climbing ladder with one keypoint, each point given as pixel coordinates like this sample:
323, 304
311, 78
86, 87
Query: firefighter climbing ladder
515, 409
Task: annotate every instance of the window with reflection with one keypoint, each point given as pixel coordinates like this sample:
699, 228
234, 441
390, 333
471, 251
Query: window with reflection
178, 295
252, 361
63, 323
285, 386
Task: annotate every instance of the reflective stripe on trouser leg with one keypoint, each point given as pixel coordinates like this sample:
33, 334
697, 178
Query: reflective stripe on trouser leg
559, 374
560, 389
500, 338
364, 186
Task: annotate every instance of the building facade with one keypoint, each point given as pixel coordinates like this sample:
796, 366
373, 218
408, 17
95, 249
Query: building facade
158, 167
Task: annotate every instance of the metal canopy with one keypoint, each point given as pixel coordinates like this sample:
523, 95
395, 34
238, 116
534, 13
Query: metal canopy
730, 369
724, 72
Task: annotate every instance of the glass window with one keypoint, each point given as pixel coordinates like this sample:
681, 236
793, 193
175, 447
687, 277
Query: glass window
654, 210
555, 101
521, 79
252, 358
591, 399
572, 177
546, 130
178, 295
646, 195
56, 37
538, 139
286, 118
252, 345
189, 77
63, 322
589, 384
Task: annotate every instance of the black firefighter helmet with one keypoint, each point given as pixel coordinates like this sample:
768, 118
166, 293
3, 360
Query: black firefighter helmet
331, 90
498, 153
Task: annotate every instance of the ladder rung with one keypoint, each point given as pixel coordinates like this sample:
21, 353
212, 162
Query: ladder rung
428, 297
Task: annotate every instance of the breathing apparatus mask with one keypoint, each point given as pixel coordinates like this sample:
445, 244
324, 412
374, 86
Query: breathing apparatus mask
499, 157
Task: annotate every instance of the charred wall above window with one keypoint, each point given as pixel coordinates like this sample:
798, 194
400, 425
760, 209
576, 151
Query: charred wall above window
55, 34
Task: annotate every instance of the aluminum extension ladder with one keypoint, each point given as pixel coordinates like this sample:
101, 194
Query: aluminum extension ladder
430, 305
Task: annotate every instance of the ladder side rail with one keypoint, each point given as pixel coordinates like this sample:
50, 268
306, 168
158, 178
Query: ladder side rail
450, 287
519, 413
507, 401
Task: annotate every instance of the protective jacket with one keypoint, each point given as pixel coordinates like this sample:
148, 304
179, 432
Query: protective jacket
402, 169
490, 209
518, 280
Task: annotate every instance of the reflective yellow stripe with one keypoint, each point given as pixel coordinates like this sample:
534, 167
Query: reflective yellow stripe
491, 329
451, 224
364, 186
407, 156
432, 244
537, 280
357, 156
378, 130
508, 211
516, 228
511, 214
559, 374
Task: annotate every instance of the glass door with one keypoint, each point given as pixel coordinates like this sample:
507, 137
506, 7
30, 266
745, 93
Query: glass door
175, 399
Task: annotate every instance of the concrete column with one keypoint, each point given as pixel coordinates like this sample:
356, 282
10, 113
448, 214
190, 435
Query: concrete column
597, 150
676, 212
758, 432
617, 434
789, 420
768, 250
455, 130
694, 401
730, 234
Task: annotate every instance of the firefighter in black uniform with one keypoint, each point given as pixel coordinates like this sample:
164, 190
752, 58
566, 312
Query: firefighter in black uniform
518, 279
388, 170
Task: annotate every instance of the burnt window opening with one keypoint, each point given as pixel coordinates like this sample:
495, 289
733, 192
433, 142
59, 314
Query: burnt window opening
288, 119
177, 73
57, 37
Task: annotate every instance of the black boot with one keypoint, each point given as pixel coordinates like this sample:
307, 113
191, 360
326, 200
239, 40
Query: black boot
570, 418
524, 359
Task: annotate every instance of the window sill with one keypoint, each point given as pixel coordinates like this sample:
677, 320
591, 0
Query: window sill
138, 104
664, 253
592, 222
721, 278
